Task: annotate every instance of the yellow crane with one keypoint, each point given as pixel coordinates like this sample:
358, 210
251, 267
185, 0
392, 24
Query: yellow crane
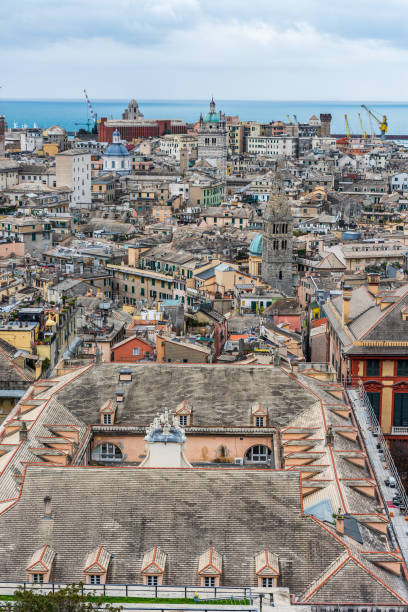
363, 132
347, 126
382, 123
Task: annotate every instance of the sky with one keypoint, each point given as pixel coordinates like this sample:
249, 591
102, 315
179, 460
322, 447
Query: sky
191, 49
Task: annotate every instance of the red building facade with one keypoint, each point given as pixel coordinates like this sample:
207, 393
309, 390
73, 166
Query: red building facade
142, 128
131, 350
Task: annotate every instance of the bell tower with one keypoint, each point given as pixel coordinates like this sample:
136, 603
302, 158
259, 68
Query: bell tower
277, 242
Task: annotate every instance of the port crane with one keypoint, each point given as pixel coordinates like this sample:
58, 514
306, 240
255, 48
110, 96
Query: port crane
382, 123
347, 127
363, 132
91, 124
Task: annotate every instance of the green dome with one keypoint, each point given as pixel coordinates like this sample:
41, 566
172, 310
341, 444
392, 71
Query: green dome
255, 248
212, 118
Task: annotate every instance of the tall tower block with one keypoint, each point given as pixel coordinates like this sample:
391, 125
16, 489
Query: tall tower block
277, 243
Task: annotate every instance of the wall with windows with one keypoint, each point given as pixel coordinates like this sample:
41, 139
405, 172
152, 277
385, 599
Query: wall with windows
254, 449
386, 384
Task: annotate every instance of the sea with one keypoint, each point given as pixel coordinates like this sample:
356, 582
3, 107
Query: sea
74, 114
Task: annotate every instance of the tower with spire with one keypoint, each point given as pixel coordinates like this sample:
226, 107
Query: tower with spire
212, 140
277, 242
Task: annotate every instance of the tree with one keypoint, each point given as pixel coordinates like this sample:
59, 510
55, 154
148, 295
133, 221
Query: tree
70, 599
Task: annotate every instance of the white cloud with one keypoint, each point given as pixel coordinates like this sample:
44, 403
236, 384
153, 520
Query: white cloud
188, 48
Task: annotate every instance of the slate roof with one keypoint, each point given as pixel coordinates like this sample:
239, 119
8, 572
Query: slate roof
219, 395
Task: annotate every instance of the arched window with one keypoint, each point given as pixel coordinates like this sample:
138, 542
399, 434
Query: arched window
107, 452
280, 274
258, 454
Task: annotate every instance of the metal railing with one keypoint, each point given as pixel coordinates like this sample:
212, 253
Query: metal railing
205, 594
383, 446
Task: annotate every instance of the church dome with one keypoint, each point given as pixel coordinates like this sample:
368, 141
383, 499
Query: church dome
116, 149
255, 248
212, 118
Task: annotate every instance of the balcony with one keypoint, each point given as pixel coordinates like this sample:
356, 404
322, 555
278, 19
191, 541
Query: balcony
399, 431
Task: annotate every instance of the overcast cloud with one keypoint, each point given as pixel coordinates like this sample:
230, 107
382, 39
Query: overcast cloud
189, 49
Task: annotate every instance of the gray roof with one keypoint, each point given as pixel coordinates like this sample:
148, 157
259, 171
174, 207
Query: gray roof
219, 395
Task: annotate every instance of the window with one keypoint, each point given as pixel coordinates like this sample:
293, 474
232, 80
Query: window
209, 581
183, 420
280, 275
107, 419
373, 367
400, 410
107, 452
142, 291
38, 578
402, 367
259, 421
374, 397
258, 453
267, 582
136, 352
152, 580
94, 579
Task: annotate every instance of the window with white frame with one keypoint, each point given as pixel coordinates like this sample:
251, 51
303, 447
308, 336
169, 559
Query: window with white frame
136, 352
183, 420
107, 452
152, 580
95, 579
38, 578
267, 582
259, 421
258, 453
107, 419
209, 581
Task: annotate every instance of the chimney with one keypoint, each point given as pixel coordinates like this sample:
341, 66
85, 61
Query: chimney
23, 432
329, 436
373, 283
340, 522
47, 506
347, 290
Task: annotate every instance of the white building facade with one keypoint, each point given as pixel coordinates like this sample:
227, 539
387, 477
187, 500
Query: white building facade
73, 169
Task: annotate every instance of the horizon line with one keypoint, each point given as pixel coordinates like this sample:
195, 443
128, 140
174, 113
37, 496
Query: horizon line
164, 100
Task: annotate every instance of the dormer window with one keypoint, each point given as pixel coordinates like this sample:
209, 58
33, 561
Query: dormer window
259, 415
39, 569
96, 566
153, 566
210, 568
38, 578
107, 413
183, 412
267, 569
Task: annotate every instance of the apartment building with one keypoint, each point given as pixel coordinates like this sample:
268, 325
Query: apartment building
73, 169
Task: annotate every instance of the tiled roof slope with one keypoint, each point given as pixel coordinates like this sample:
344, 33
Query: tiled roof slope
130, 510
220, 395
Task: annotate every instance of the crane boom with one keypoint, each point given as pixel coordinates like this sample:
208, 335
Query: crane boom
91, 110
363, 133
383, 125
347, 126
